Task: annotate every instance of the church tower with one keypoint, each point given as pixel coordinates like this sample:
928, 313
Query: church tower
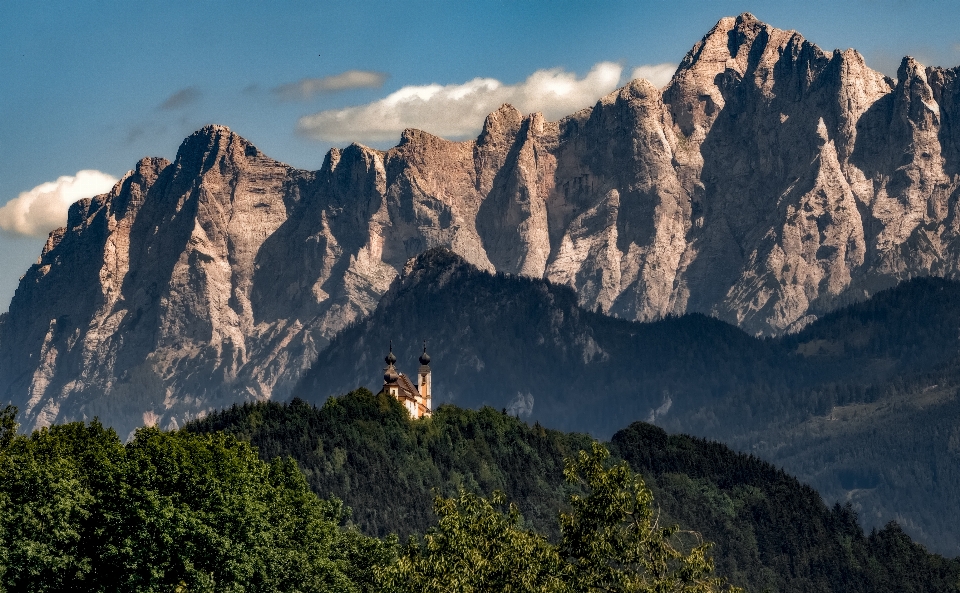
415, 398
424, 380
391, 377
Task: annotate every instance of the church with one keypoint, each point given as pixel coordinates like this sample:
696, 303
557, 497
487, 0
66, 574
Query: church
416, 399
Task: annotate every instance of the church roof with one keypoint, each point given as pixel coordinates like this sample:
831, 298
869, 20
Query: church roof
400, 386
407, 386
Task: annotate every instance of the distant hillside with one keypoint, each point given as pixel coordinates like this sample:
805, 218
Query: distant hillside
771, 532
891, 444
526, 346
498, 340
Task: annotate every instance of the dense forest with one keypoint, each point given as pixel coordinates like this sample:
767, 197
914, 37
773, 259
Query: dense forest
770, 531
168, 511
862, 403
291, 497
181, 511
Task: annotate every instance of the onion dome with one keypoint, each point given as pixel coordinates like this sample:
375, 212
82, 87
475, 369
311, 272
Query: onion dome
390, 359
390, 374
424, 358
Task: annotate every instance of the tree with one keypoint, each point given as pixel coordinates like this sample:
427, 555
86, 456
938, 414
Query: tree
477, 547
8, 426
81, 511
611, 541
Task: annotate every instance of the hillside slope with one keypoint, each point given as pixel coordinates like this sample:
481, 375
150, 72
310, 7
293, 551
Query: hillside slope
861, 404
525, 344
772, 533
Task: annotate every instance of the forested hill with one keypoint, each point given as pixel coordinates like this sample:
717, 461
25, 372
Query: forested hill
862, 404
771, 532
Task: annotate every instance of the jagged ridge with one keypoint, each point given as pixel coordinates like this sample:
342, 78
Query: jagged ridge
767, 184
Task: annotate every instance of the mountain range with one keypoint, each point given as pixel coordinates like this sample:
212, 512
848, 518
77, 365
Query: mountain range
767, 184
666, 254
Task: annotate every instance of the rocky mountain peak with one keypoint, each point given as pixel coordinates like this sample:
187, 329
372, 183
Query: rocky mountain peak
502, 124
734, 49
639, 89
214, 146
331, 160
768, 184
745, 30
916, 94
150, 167
213, 137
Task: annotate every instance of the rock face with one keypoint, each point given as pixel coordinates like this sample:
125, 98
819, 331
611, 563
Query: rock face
768, 183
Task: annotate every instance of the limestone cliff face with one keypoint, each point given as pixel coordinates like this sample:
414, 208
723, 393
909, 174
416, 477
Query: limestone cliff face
767, 184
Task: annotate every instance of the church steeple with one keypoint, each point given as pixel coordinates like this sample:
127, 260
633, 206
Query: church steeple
416, 399
424, 358
390, 358
390, 374
425, 380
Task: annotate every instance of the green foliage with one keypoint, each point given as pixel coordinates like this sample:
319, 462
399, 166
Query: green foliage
615, 538
8, 426
83, 512
477, 547
199, 510
365, 450
611, 542
770, 531
50, 484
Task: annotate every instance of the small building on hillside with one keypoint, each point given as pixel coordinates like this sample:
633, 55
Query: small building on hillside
415, 398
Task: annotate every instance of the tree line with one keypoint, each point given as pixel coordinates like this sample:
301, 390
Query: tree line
185, 511
770, 532
258, 497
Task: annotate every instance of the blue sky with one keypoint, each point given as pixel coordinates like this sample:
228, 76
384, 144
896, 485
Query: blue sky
98, 85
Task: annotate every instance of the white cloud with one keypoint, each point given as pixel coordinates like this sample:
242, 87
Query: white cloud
458, 110
307, 88
658, 74
36, 212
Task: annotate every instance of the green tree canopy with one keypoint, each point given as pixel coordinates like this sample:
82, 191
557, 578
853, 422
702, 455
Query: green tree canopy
83, 512
611, 541
613, 538
478, 545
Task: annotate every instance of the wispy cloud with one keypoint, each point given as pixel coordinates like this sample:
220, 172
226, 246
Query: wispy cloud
181, 99
458, 110
308, 88
658, 74
36, 212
